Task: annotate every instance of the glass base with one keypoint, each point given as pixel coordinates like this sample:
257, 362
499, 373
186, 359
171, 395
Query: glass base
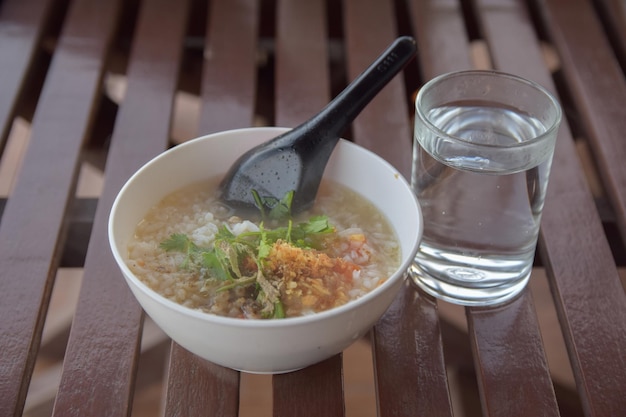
466, 292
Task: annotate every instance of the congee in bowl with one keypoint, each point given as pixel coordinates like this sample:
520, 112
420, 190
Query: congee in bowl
195, 251
234, 288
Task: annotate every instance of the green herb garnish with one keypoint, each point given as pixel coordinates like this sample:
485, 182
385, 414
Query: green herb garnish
181, 243
278, 209
233, 261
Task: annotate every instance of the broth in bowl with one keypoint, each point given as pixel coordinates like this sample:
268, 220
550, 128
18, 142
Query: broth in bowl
192, 250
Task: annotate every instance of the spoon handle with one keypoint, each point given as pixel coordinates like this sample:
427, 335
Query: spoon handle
324, 129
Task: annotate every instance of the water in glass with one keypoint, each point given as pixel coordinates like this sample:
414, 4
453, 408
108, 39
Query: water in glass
481, 208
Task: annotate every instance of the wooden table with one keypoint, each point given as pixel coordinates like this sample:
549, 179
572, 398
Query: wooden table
277, 63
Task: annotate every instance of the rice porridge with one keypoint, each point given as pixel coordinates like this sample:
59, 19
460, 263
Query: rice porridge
192, 250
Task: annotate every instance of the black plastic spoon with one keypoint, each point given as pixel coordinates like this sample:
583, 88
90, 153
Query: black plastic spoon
295, 160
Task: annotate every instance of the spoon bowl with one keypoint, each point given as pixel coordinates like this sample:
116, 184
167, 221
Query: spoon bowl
295, 161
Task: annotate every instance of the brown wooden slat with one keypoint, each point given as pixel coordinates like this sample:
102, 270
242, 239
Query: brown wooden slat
196, 386
409, 365
409, 362
200, 388
32, 224
508, 31
590, 298
588, 294
302, 73
513, 373
229, 76
580, 261
310, 392
21, 27
442, 47
598, 88
614, 13
442, 44
79, 221
383, 126
497, 15
101, 357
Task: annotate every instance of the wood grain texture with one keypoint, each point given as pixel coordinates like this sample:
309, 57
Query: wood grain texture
613, 14
302, 61
409, 364
314, 391
230, 66
443, 45
383, 126
590, 297
197, 387
503, 356
582, 273
598, 86
32, 225
101, 358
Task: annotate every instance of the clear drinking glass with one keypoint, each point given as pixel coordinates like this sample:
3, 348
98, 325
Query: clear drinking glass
482, 153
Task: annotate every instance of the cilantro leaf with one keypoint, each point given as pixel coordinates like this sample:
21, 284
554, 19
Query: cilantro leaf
180, 243
278, 209
212, 263
282, 209
317, 224
224, 233
264, 246
177, 242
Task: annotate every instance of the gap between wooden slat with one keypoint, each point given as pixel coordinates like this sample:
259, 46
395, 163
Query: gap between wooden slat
21, 26
11, 160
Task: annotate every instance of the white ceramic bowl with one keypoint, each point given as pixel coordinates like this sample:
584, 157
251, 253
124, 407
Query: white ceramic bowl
264, 346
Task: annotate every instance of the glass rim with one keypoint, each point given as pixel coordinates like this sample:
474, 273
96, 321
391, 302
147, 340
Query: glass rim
440, 132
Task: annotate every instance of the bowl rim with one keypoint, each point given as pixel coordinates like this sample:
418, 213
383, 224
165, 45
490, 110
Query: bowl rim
399, 275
